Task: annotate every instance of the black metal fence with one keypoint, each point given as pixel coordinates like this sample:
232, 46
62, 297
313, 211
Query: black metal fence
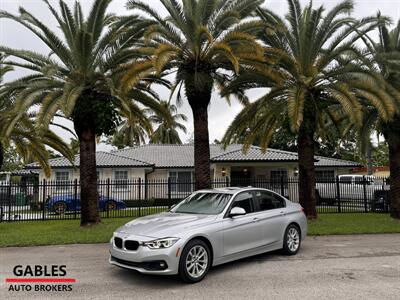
53, 200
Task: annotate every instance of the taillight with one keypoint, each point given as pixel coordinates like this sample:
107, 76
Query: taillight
302, 209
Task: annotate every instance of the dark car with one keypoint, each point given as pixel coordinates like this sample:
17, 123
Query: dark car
62, 203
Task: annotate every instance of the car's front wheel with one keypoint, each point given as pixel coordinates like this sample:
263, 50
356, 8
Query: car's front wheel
292, 240
195, 261
60, 207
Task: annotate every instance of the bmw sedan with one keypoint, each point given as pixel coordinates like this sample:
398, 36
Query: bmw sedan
209, 228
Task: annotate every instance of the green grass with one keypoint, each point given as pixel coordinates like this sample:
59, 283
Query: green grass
69, 232
57, 232
353, 223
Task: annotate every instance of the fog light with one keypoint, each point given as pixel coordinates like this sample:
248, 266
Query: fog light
162, 265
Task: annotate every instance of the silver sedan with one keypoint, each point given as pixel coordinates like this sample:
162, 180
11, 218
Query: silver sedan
209, 228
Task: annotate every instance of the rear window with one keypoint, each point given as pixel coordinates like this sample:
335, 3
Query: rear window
268, 200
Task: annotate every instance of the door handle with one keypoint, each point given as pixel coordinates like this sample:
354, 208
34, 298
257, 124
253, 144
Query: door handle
256, 220
282, 213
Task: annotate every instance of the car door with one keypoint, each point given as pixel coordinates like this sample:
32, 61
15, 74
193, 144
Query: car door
270, 212
241, 233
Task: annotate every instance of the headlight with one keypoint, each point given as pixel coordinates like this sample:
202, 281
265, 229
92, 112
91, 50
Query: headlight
161, 243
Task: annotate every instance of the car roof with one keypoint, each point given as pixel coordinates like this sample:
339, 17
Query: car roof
229, 190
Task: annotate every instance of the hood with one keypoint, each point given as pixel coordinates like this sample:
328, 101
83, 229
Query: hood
165, 224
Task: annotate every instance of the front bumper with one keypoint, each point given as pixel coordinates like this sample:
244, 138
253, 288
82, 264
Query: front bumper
146, 260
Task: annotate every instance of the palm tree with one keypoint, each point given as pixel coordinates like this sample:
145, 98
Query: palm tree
77, 79
28, 145
3, 71
166, 132
204, 43
315, 53
133, 130
386, 54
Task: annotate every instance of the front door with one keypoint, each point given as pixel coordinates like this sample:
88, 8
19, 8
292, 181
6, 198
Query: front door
241, 233
241, 177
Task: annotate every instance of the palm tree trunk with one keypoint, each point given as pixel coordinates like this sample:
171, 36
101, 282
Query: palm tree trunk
1, 155
370, 169
393, 139
199, 99
88, 177
306, 150
201, 148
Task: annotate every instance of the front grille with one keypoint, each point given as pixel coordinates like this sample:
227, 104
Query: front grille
118, 242
154, 265
131, 245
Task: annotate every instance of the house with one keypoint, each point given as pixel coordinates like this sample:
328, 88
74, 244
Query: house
157, 163
154, 161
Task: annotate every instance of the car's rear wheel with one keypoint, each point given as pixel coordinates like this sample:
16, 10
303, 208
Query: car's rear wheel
110, 205
292, 240
195, 261
60, 207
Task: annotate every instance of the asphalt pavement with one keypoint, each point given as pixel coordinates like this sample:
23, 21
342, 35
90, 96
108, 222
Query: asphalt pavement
329, 267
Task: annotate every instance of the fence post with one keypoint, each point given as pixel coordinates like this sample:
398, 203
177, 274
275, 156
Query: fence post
386, 199
9, 199
338, 194
169, 192
108, 194
44, 199
140, 192
365, 193
145, 188
75, 195
282, 187
227, 181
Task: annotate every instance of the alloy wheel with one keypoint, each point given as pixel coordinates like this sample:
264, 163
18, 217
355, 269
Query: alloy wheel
59, 208
197, 261
293, 239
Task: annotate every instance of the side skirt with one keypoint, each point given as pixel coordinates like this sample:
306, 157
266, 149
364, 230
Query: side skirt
247, 253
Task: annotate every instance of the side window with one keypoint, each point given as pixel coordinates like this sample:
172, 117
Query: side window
267, 201
245, 201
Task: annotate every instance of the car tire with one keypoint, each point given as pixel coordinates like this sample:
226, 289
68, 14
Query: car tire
291, 240
110, 205
195, 258
60, 207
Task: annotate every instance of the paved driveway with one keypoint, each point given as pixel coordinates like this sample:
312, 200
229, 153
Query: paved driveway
336, 267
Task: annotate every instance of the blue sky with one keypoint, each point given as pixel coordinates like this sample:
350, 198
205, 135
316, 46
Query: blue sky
220, 113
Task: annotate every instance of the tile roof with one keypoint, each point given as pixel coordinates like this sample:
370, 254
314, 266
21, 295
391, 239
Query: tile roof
103, 159
181, 156
256, 154
171, 156
334, 162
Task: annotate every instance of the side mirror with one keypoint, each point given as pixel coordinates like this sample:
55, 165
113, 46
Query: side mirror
237, 211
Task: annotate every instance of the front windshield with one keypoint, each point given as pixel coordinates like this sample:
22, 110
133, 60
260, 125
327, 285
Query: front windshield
203, 203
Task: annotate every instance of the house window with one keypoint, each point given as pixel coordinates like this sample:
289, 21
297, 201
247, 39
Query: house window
325, 176
278, 175
121, 179
181, 181
62, 179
